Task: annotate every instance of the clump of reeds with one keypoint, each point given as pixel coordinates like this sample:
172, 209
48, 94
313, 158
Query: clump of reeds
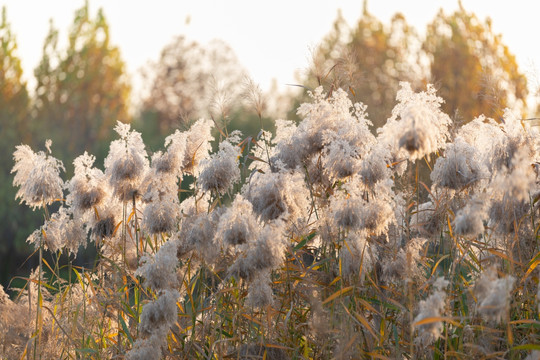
328, 247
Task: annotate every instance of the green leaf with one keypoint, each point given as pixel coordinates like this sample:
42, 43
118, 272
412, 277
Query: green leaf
87, 351
125, 328
300, 244
527, 347
304, 241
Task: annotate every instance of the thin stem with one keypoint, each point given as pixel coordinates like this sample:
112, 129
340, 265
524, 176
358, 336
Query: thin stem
136, 227
40, 295
137, 291
124, 233
311, 193
38, 307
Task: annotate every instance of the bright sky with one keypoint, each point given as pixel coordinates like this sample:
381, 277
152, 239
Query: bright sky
272, 39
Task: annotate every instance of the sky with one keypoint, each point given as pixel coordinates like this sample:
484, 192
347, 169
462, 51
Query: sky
272, 39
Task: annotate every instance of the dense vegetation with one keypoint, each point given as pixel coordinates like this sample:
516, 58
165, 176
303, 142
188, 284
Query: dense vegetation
409, 233
318, 242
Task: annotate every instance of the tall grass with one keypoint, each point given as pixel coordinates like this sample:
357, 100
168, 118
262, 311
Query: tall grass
322, 241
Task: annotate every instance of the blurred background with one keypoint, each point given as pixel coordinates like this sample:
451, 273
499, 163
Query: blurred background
70, 69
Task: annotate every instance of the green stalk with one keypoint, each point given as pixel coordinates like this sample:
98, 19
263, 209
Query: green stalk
138, 290
40, 296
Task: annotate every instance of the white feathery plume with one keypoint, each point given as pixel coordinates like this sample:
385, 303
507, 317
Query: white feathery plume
38, 176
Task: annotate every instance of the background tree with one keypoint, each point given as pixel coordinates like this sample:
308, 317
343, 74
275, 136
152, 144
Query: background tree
467, 58
189, 81
370, 60
17, 221
81, 92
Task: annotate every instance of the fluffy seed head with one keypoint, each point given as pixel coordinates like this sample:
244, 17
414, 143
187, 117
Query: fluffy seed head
493, 295
373, 168
126, 163
159, 314
88, 187
238, 225
104, 228
198, 146
469, 220
376, 216
432, 307
38, 176
260, 293
276, 195
417, 125
160, 216
221, 171
266, 253
459, 167
159, 271
63, 230
340, 160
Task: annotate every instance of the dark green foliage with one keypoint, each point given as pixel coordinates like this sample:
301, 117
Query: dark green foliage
17, 221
